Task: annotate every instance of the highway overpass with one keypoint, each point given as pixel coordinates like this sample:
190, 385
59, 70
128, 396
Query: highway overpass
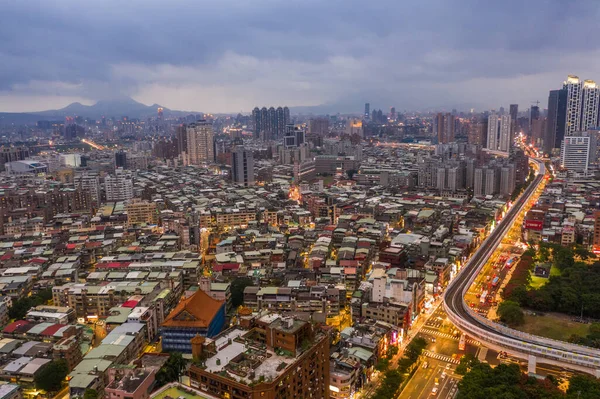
496, 336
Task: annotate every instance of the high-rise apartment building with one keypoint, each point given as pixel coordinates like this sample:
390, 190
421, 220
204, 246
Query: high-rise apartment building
319, 126
121, 159
200, 142
506, 133
513, 111
269, 124
367, 114
90, 182
573, 86
590, 104
444, 126
242, 166
11, 154
578, 151
492, 132
118, 188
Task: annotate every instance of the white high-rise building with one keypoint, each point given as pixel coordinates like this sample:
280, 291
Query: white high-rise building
118, 188
573, 86
507, 180
578, 151
505, 133
200, 142
590, 104
90, 182
492, 133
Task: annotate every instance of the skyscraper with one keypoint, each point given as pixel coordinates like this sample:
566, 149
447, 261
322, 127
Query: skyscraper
505, 133
590, 104
492, 132
121, 159
200, 142
256, 121
242, 166
555, 126
181, 138
367, 111
444, 128
573, 86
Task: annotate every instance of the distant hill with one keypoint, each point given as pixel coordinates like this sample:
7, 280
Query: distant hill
108, 108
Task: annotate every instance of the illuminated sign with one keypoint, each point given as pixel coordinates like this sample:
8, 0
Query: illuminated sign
534, 224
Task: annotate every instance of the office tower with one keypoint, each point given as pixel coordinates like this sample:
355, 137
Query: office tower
264, 122
573, 86
393, 113
242, 166
200, 142
294, 136
506, 137
181, 138
319, 126
118, 188
501, 112
354, 127
492, 132
534, 113
286, 116
121, 159
590, 104
367, 111
444, 127
578, 151
256, 121
556, 123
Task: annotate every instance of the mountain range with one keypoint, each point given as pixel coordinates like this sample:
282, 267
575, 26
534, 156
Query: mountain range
109, 108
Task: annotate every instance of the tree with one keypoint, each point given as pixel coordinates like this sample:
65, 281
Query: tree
583, 387
414, 349
467, 362
392, 351
90, 394
351, 173
237, 290
171, 370
511, 313
51, 377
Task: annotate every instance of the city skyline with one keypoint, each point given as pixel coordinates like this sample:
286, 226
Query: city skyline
448, 59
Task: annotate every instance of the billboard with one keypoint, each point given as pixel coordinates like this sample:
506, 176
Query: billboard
534, 224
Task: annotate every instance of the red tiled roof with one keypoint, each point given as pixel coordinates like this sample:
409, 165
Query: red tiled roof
219, 267
14, 325
95, 244
196, 311
52, 329
130, 304
112, 265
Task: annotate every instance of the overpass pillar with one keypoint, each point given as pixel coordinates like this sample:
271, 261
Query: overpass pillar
597, 373
531, 364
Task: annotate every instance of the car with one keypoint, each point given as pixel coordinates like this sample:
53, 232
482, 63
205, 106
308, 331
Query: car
425, 365
448, 366
443, 375
437, 381
434, 391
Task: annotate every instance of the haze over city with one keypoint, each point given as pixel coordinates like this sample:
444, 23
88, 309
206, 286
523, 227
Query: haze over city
229, 55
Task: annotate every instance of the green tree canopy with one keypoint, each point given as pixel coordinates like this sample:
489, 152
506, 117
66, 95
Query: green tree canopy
51, 377
237, 290
172, 369
511, 313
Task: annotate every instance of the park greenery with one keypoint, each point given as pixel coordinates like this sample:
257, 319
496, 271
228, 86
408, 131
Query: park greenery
511, 313
480, 381
21, 306
393, 378
573, 291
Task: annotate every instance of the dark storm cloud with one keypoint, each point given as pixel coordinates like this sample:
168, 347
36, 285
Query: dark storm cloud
415, 53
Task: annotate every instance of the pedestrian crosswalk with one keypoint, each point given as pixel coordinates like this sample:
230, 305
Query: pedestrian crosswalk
447, 336
438, 356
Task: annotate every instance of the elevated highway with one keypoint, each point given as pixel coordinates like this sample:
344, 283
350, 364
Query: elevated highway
499, 337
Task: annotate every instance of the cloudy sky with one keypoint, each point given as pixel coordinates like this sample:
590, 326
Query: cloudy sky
230, 55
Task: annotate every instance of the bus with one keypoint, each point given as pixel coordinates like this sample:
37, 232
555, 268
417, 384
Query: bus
462, 342
495, 281
483, 296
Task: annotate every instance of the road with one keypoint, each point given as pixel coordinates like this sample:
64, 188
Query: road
438, 374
